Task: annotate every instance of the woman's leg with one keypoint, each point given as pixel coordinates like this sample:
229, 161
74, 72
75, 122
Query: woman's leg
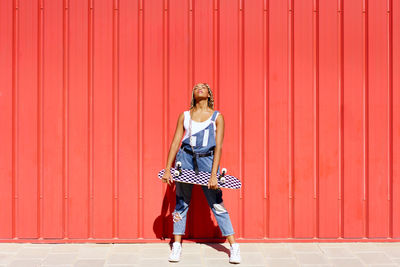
178, 238
231, 239
214, 199
183, 196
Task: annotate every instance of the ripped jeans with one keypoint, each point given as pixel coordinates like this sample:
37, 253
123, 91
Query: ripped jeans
214, 199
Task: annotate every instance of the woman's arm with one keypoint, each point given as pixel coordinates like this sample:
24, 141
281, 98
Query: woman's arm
176, 141
219, 138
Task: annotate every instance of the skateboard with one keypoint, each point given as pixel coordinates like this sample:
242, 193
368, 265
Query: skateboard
190, 177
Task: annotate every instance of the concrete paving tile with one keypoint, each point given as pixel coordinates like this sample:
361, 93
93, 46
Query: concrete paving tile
253, 258
179, 263
250, 247
128, 248
392, 252
153, 262
387, 244
363, 246
317, 265
191, 259
33, 252
330, 244
25, 263
158, 245
37, 245
219, 262
6, 258
191, 248
215, 254
278, 252
67, 248
91, 252
383, 265
150, 252
272, 245
216, 250
98, 244
89, 263
62, 265
397, 261
305, 247
373, 257
346, 262
60, 258
10, 247
173, 264
216, 246
311, 258
337, 252
122, 258
282, 263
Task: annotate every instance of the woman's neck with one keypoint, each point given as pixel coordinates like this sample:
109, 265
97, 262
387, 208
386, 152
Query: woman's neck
202, 105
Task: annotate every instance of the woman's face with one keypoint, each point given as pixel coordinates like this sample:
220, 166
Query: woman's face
200, 91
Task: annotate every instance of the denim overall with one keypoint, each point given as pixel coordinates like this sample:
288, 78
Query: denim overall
184, 190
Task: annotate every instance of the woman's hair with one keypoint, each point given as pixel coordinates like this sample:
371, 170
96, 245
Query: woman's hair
210, 98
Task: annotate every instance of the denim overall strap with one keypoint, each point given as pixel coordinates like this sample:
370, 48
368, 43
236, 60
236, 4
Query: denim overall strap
214, 115
195, 155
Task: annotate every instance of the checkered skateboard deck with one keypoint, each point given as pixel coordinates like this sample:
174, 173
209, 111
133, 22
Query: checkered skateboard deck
190, 177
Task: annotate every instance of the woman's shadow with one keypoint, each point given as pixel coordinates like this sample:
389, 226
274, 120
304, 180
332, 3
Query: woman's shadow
199, 224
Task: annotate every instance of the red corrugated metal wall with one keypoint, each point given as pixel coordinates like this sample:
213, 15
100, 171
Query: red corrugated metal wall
90, 93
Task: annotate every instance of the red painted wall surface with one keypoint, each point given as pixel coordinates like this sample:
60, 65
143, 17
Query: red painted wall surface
90, 92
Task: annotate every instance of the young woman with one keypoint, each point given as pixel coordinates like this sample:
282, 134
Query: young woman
201, 150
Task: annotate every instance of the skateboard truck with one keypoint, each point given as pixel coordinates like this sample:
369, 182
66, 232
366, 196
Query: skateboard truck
178, 170
221, 177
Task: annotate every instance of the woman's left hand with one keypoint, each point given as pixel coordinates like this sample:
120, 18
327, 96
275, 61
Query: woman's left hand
213, 182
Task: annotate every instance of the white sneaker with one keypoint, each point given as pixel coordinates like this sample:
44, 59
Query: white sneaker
235, 253
176, 252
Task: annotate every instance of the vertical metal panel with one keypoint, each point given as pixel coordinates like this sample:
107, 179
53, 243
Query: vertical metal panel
240, 115
340, 69
27, 124
353, 134
389, 34
140, 117
115, 118
265, 70
90, 92
7, 134
279, 123
129, 104
65, 106
329, 120
395, 79
51, 119
78, 220
316, 88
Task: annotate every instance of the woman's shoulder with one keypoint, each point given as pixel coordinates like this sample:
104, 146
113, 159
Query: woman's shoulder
182, 116
219, 116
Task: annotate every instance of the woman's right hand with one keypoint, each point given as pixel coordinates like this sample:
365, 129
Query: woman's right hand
167, 177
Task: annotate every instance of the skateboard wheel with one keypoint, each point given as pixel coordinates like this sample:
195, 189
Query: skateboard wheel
178, 164
176, 173
224, 171
223, 180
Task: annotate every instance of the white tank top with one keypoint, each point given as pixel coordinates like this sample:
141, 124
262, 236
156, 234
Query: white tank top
196, 126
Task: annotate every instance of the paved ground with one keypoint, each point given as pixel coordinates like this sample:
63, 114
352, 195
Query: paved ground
194, 254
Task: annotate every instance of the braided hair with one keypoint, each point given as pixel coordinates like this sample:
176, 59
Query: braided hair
210, 98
